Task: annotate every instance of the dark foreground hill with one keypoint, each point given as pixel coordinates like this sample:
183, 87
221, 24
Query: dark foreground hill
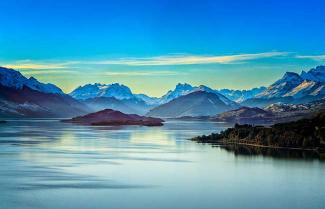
111, 117
301, 134
243, 115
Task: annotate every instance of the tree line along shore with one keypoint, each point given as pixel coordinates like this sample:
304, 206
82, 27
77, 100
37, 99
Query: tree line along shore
304, 134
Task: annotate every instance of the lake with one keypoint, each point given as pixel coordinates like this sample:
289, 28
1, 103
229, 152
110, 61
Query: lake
48, 164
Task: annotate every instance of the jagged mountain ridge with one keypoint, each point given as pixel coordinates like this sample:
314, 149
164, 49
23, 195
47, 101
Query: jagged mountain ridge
89, 91
23, 97
123, 92
292, 88
315, 74
311, 83
14, 79
241, 95
27, 102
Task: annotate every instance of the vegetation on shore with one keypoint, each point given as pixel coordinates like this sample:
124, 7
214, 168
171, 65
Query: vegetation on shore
308, 134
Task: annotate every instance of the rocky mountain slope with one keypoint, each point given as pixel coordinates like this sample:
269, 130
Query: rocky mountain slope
199, 103
14, 79
292, 88
23, 97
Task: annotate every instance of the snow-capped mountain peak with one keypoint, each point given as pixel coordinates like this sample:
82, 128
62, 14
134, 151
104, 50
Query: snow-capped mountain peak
205, 88
183, 86
307, 87
88, 91
14, 79
289, 81
180, 90
185, 89
309, 83
118, 91
314, 74
147, 99
290, 77
241, 95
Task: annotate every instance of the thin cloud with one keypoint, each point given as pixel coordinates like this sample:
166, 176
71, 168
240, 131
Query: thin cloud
168, 60
28, 67
45, 72
188, 59
313, 57
31, 65
144, 73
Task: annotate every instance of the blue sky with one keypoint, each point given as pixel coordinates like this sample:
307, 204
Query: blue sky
152, 45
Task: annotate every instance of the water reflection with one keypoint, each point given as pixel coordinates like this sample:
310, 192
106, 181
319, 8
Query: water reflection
47, 164
275, 153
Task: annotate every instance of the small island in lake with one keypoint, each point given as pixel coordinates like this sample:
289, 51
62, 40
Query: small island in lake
304, 134
109, 117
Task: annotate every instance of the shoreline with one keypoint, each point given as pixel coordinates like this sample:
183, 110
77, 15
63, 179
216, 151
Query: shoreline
264, 146
305, 135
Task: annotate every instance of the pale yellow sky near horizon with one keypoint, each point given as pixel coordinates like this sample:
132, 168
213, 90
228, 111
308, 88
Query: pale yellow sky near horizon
158, 86
155, 76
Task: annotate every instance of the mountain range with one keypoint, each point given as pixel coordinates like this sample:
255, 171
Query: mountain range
121, 92
292, 88
274, 113
89, 91
27, 97
22, 97
14, 79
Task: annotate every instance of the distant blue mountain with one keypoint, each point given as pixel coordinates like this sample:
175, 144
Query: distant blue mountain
27, 97
113, 96
311, 83
184, 89
241, 95
14, 79
315, 74
102, 90
21, 96
197, 103
293, 88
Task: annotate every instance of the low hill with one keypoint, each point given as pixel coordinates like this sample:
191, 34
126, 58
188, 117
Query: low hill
111, 117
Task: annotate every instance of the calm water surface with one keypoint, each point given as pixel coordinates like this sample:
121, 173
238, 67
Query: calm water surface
47, 164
